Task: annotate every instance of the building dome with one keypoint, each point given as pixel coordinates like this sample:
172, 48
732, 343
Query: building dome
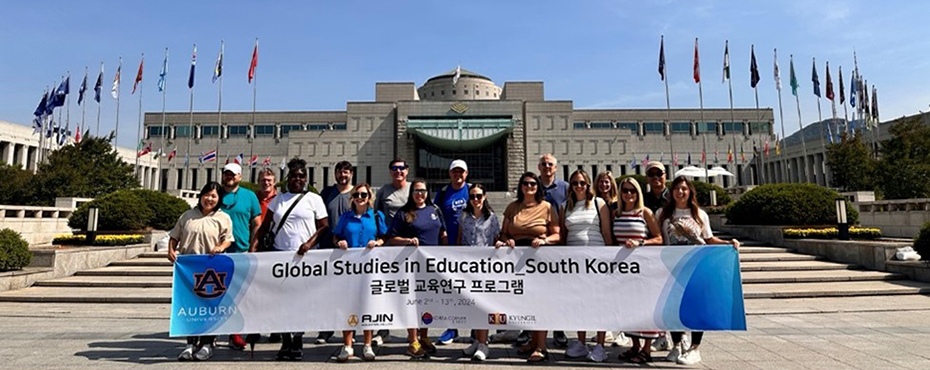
470, 86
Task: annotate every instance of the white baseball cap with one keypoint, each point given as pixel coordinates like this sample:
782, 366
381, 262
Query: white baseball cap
234, 168
458, 163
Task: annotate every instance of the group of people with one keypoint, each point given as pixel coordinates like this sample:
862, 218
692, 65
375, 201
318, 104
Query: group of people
547, 211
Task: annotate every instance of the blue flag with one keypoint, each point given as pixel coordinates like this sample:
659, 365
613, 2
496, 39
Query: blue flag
190, 79
40, 110
852, 90
82, 89
50, 103
99, 85
163, 73
62, 92
815, 79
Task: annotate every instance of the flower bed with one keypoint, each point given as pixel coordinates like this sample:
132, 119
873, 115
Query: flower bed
103, 240
831, 233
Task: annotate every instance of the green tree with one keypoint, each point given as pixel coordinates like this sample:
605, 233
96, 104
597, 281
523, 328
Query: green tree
851, 164
903, 171
89, 169
17, 187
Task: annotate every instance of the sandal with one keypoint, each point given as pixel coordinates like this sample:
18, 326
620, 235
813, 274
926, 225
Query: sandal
529, 348
641, 358
629, 354
539, 355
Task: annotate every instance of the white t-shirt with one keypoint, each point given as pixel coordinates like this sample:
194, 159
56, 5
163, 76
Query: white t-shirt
682, 229
300, 224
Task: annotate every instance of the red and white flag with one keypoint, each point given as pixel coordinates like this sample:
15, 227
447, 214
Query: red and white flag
697, 63
138, 76
253, 161
254, 62
266, 162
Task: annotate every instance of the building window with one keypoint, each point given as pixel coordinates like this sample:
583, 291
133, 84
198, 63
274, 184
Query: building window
465, 92
182, 131
681, 128
209, 131
631, 126
564, 172
154, 131
432, 93
593, 171
443, 92
193, 179
622, 170
609, 169
654, 128
707, 127
495, 95
759, 128
453, 92
180, 182
286, 129
579, 125
325, 177
601, 125
210, 174
310, 178
733, 127
242, 130
368, 174
261, 130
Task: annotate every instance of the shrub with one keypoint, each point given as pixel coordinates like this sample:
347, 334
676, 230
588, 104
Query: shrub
167, 208
121, 210
14, 251
922, 242
788, 204
107, 240
703, 193
831, 233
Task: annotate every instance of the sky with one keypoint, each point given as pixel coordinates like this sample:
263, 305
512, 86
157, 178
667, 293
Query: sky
316, 55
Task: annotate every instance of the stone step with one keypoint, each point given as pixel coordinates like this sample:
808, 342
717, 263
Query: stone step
162, 255
834, 289
88, 295
92, 281
776, 257
795, 266
144, 262
743, 249
127, 271
782, 277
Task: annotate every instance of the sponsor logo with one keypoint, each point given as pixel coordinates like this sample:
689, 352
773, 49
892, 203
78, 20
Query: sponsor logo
377, 319
497, 318
210, 284
427, 318
353, 320
521, 319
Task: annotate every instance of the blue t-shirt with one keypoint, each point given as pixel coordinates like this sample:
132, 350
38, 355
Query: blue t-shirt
427, 227
451, 202
556, 193
241, 206
358, 230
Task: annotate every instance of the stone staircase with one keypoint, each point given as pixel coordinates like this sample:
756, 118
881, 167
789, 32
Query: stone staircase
767, 272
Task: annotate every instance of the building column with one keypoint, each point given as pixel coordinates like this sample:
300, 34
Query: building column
24, 149
8, 153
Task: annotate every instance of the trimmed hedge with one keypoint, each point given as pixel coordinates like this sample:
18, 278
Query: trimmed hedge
788, 204
135, 209
14, 251
703, 193
104, 240
831, 233
922, 242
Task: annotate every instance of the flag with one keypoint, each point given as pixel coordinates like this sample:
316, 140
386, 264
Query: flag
662, 57
675, 160
77, 135
115, 90
253, 161
172, 154
645, 161
238, 160
82, 89
187, 159
200, 158
633, 161
842, 93
138, 75
99, 85
814, 78
777, 146
697, 63
458, 73
726, 61
209, 156
753, 68
794, 79
829, 131
662, 157
266, 162
875, 104
227, 159
62, 92
218, 69
765, 149
830, 94
742, 154
865, 104
190, 79
163, 73
716, 156
729, 154
776, 72
689, 159
146, 150
40, 109
852, 90
283, 163
703, 156
254, 62
50, 103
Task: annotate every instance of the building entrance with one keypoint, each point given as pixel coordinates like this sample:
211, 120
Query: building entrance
486, 165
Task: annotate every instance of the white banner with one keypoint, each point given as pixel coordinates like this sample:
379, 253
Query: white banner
562, 288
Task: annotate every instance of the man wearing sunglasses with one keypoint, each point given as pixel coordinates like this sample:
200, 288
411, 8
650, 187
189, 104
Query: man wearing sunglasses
388, 200
658, 195
451, 200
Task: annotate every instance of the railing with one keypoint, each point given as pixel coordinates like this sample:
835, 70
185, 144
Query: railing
901, 218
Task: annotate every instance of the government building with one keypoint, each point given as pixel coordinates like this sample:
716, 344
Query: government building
500, 131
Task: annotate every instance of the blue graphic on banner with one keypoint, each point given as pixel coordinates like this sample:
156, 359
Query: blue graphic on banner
700, 302
215, 282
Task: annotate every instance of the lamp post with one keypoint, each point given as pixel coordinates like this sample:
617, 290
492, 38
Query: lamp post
842, 226
713, 198
92, 214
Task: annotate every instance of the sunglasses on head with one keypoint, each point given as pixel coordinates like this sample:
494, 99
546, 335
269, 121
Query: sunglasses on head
579, 183
476, 196
360, 195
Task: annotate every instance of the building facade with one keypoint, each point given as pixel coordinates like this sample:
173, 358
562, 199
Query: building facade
499, 131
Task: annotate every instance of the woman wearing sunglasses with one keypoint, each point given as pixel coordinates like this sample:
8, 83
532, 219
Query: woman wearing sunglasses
530, 221
360, 227
418, 222
632, 224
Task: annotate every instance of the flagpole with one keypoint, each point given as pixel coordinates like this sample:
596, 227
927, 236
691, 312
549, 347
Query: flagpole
762, 159
219, 115
164, 100
252, 131
823, 143
58, 129
668, 111
781, 116
84, 101
730, 88
139, 125
44, 123
703, 122
190, 127
797, 101
116, 130
99, 101
843, 103
67, 110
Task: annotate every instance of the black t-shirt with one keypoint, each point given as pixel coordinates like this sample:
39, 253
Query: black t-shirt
653, 202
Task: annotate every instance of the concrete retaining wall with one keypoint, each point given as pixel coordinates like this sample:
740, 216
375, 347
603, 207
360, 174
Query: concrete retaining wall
897, 218
37, 225
53, 263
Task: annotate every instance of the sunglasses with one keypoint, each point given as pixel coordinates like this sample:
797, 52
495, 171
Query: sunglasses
528, 183
360, 195
547, 164
476, 196
579, 183
398, 168
628, 191
655, 174
419, 191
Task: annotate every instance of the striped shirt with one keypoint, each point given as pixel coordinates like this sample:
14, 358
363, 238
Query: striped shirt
630, 225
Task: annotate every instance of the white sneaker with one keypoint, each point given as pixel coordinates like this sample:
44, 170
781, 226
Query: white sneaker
377, 340
690, 357
621, 340
577, 350
674, 354
598, 354
345, 353
661, 343
685, 341
481, 353
204, 353
187, 354
470, 351
368, 353
608, 337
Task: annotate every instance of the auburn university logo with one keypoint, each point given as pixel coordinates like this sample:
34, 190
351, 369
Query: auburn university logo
210, 284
